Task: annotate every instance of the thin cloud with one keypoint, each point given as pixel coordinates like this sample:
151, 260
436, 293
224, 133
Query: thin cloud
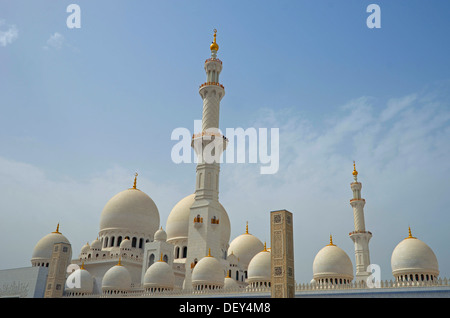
56, 41
9, 35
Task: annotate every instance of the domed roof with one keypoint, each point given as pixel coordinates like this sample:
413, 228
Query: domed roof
80, 281
86, 248
130, 210
260, 267
44, 248
245, 246
126, 243
230, 283
96, 244
160, 235
117, 278
177, 225
332, 261
208, 271
412, 255
159, 275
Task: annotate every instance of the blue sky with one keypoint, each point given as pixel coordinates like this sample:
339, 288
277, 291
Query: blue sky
83, 109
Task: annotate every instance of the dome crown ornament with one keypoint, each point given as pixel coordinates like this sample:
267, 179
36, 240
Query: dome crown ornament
214, 46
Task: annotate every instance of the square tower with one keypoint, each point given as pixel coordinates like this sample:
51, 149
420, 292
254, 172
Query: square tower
282, 254
57, 271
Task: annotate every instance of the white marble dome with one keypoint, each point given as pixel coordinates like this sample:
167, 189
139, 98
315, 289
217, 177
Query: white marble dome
130, 211
86, 248
96, 245
177, 225
42, 252
230, 283
413, 257
117, 278
208, 272
160, 235
125, 244
259, 268
80, 281
159, 275
245, 247
331, 262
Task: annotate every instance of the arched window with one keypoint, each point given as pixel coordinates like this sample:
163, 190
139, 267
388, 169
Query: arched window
177, 252
133, 242
185, 252
106, 242
151, 260
165, 258
119, 240
141, 242
112, 241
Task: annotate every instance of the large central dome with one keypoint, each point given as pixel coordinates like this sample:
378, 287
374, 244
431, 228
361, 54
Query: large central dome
131, 210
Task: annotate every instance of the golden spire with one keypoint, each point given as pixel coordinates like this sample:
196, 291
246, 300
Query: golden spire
209, 253
214, 46
135, 179
246, 228
57, 229
409, 232
355, 173
161, 259
82, 265
331, 241
265, 247
119, 263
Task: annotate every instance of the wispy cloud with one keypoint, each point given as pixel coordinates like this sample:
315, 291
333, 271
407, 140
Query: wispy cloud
9, 35
56, 41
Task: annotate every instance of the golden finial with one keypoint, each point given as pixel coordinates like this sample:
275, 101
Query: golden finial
209, 252
119, 263
82, 265
409, 233
246, 228
57, 229
331, 241
135, 179
161, 259
214, 46
265, 247
355, 173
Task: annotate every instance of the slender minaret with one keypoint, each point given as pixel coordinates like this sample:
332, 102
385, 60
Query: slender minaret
359, 236
204, 233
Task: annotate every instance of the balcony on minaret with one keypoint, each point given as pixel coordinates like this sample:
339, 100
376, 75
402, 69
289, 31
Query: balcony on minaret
198, 220
214, 220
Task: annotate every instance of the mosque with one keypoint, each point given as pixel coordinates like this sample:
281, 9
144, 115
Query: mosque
133, 255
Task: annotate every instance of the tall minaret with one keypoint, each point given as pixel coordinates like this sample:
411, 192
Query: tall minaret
206, 221
359, 236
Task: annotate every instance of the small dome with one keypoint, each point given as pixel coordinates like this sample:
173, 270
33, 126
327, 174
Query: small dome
130, 211
117, 278
208, 271
260, 269
245, 247
80, 281
96, 245
332, 262
43, 250
86, 248
230, 283
125, 244
412, 256
159, 275
160, 235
